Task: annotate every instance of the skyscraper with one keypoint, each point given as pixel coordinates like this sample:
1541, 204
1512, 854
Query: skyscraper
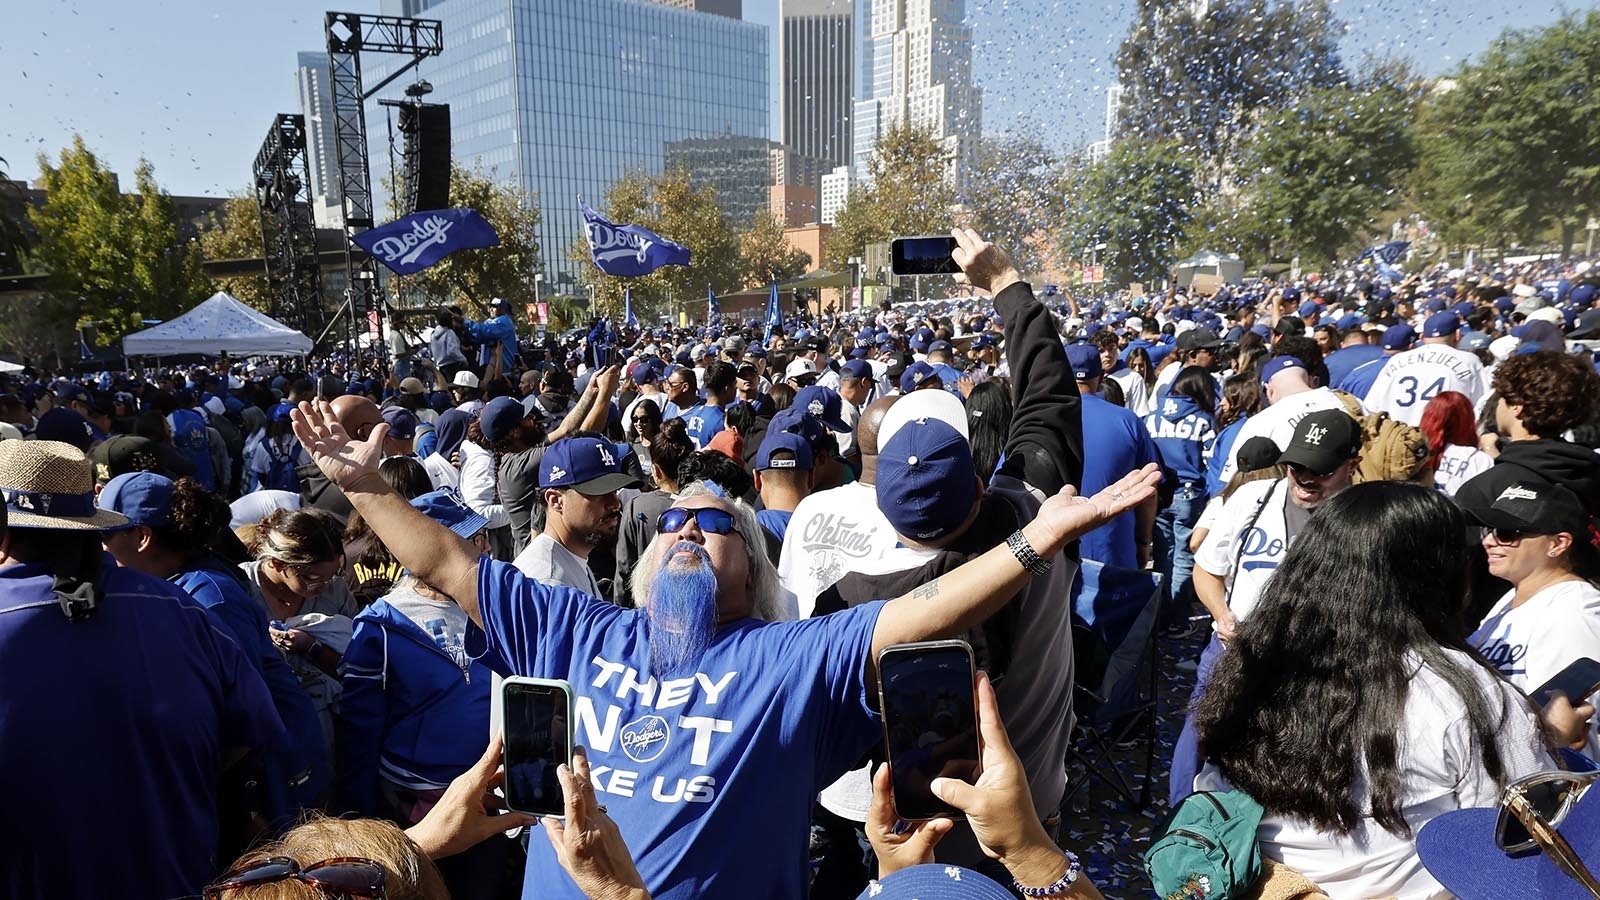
816, 57
921, 60
316, 104
729, 8
564, 97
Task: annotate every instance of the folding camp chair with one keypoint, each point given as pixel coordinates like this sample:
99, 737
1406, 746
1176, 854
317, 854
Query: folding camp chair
1114, 628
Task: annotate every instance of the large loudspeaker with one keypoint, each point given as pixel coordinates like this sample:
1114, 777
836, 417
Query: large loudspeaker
425, 180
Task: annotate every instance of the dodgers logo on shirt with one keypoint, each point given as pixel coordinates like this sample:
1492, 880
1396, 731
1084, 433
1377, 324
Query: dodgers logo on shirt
645, 738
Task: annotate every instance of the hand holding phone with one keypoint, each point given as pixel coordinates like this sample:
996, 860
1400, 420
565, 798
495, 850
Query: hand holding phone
925, 255
536, 721
1577, 681
930, 723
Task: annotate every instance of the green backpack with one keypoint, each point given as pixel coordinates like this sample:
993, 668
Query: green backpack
1207, 849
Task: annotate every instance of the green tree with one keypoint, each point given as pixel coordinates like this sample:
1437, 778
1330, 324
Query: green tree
673, 206
474, 277
766, 256
1323, 167
1014, 197
14, 243
113, 260
1200, 72
908, 192
1137, 201
1510, 148
234, 232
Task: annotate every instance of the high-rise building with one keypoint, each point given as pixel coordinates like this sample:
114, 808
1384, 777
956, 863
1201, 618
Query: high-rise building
1102, 148
835, 191
816, 59
563, 97
921, 61
729, 8
315, 97
738, 167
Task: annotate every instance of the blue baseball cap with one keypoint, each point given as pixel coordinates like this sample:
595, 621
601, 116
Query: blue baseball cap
926, 482
921, 340
1349, 321
938, 345
795, 420
915, 376
987, 340
1436, 304
855, 368
1280, 364
500, 417
402, 422
145, 498
932, 881
67, 426
280, 413
446, 507
1399, 337
778, 441
1309, 308
824, 404
1084, 360
587, 465
756, 350
1441, 324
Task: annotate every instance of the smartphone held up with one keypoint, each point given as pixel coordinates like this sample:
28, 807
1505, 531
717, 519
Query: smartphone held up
536, 720
927, 255
927, 692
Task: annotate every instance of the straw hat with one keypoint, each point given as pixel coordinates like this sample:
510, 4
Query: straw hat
49, 484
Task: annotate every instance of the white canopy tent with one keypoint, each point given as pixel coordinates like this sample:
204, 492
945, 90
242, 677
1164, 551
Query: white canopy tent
220, 324
1226, 266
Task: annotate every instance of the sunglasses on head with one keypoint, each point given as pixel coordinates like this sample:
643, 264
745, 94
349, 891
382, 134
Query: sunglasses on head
709, 519
342, 877
1532, 808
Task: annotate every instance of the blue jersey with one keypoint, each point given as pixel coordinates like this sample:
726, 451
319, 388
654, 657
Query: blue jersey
1121, 444
1343, 361
710, 772
703, 422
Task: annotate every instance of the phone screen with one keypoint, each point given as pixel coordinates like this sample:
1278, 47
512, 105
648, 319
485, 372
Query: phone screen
538, 740
930, 723
1577, 681
923, 256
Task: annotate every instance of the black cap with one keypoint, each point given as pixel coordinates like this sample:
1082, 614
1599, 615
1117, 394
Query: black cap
1291, 326
1323, 441
1198, 339
124, 453
1258, 453
1536, 508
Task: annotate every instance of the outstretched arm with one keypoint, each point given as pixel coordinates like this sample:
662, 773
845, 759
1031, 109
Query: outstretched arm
431, 552
953, 603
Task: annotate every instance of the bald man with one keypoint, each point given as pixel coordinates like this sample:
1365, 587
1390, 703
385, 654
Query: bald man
836, 530
1292, 393
358, 415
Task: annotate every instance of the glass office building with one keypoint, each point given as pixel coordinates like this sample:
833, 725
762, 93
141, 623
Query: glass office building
566, 96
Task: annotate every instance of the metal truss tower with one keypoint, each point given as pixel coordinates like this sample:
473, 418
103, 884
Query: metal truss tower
288, 235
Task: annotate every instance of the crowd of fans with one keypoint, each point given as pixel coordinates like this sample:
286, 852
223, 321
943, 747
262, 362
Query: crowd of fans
261, 609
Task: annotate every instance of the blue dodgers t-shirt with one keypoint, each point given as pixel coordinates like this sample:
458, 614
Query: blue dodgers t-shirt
709, 773
702, 423
125, 719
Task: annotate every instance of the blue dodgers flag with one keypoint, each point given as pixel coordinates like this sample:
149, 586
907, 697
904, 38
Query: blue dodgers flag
774, 314
628, 250
421, 239
713, 311
629, 320
1389, 253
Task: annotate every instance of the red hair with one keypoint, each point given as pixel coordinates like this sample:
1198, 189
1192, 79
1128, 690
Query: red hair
1448, 419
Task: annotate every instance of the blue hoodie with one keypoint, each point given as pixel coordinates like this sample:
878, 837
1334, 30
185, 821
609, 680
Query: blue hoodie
413, 715
1221, 452
1184, 434
500, 332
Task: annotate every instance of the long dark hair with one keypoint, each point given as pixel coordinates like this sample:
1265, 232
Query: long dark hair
988, 422
1310, 696
1243, 394
1195, 383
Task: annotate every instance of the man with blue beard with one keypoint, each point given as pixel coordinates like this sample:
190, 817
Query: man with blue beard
710, 727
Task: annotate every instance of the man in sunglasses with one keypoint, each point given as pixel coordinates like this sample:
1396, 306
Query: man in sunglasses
710, 727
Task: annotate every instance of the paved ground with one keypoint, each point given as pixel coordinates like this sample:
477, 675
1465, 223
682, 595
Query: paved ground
1105, 831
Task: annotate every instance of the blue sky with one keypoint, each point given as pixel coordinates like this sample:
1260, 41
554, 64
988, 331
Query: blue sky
193, 84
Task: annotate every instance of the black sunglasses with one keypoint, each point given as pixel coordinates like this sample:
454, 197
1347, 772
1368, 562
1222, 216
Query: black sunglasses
709, 519
343, 876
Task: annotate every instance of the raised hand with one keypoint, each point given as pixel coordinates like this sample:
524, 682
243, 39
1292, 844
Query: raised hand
344, 460
907, 847
588, 844
468, 813
983, 265
1068, 516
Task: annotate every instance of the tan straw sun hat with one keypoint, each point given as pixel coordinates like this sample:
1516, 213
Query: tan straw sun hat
50, 484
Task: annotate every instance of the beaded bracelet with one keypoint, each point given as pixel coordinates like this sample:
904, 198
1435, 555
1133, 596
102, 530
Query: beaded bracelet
1062, 883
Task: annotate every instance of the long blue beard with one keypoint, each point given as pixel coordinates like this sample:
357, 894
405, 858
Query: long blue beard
682, 614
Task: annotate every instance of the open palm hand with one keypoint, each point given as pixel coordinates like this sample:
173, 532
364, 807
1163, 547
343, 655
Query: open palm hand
1070, 516
344, 460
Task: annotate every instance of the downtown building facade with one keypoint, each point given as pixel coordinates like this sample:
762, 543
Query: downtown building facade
816, 59
564, 97
917, 69
314, 96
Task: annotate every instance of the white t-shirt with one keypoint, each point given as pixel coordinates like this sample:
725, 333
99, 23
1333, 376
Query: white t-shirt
1410, 379
1532, 643
830, 533
1246, 559
1278, 421
441, 472
1458, 465
1440, 770
547, 562
1134, 391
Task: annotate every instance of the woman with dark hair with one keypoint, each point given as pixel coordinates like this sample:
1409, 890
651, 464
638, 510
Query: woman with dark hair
988, 423
172, 526
782, 395
1451, 429
1184, 432
1350, 705
1537, 537
643, 425
1241, 394
670, 447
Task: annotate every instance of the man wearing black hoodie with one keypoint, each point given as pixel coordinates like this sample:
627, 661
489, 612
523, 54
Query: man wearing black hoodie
1538, 397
